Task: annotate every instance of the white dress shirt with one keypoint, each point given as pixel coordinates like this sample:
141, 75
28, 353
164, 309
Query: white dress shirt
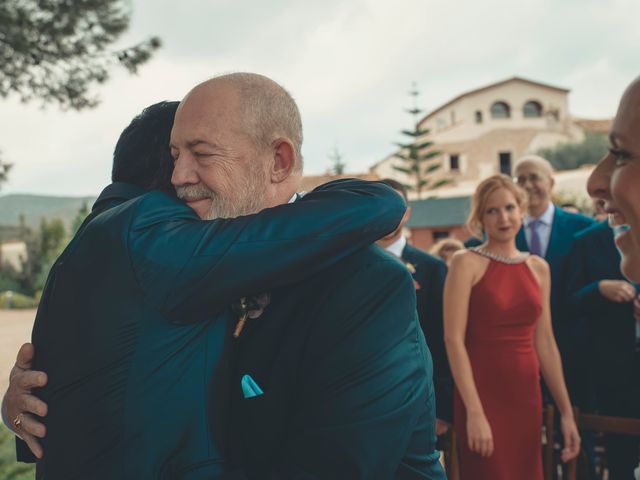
544, 228
397, 247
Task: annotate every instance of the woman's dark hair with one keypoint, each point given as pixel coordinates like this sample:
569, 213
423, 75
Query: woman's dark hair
142, 155
397, 186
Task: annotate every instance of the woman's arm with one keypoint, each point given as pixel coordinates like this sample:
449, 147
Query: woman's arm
551, 363
457, 290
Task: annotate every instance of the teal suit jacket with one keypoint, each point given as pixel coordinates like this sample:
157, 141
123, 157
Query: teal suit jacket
346, 376
132, 319
565, 225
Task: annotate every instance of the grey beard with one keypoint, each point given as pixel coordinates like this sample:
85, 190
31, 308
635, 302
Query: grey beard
248, 198
245, 204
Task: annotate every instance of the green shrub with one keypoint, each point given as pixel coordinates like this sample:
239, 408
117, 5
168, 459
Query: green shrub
9, 468
17, 301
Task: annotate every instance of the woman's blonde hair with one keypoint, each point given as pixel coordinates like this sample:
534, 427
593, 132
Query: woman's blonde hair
480, 196
446, 245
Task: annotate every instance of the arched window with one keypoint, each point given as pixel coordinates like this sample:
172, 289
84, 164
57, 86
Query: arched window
500, 110
532, 109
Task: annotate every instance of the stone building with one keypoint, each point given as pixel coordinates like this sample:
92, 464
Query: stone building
484, 131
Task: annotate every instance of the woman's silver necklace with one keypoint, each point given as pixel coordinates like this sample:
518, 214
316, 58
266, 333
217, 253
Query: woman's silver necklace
521, 257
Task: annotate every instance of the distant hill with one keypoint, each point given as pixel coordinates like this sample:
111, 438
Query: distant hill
36, 207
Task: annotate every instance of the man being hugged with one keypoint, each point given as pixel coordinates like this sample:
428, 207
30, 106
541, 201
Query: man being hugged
342, 376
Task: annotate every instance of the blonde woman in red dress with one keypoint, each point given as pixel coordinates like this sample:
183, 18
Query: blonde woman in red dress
499, 338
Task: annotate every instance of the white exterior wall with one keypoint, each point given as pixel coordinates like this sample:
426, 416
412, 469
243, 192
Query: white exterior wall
454, 131
11, 253
515, 94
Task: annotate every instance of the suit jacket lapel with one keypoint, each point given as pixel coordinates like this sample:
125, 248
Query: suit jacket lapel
521, 240
258, 423
612, 257
406, 254
556, 236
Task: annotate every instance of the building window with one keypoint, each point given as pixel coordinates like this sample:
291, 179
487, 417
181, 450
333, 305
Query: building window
439, 235
478, 116
505, 162
453, 117
454, 162
500, 110
532, 109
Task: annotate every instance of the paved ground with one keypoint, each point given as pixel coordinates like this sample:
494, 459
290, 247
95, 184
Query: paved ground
15, 329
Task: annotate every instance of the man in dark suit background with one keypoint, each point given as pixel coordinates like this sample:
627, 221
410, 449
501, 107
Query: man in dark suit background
340, 363
548, 231
429, 274
608, 360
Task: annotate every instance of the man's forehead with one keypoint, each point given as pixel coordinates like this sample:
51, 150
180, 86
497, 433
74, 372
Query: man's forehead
533, 166
196, 124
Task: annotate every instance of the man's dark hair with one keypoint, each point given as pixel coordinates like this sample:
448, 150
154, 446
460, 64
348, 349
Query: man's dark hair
142, 155
397, 186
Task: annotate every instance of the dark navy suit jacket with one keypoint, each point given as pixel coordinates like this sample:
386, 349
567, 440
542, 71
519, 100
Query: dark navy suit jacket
565, 225
606, 329
346, 376
430, 274
132, 319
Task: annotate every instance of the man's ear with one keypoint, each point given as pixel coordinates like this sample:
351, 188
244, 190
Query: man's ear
405, 217
284, 160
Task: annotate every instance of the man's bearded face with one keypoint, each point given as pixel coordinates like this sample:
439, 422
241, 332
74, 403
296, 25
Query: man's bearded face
220, 171
245, 197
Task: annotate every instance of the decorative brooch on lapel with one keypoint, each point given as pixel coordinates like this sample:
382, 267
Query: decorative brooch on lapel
249, 307
412, 269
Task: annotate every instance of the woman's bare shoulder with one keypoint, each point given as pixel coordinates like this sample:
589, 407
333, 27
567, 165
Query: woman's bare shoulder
467, 259
538, 264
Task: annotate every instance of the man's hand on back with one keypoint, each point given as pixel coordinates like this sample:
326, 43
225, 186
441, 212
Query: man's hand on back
442, 427
617, 290
19, 405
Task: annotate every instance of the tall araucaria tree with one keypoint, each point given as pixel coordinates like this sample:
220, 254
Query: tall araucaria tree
337, 164
417, 155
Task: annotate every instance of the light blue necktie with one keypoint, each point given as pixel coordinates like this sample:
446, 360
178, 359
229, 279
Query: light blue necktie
535, 245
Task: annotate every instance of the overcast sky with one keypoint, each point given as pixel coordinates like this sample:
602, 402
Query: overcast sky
348, 63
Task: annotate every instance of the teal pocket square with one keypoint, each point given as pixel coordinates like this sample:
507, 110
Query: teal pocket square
250, 388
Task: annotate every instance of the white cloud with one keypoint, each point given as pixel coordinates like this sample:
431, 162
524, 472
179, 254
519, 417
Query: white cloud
349, 63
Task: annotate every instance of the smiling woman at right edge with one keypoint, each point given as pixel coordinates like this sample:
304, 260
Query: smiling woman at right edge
616, 182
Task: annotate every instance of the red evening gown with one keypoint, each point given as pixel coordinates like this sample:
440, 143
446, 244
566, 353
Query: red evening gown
503, 310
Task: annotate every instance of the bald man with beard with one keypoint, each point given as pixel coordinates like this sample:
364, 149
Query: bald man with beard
133, 319
340, 375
